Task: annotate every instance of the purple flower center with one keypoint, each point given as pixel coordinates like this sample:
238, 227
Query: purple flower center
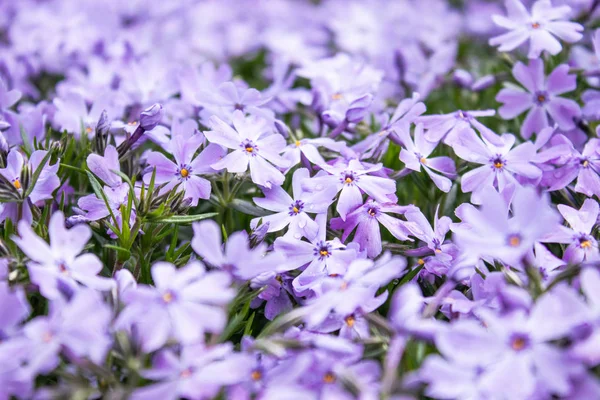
421, 159
584, 162
249, 147
498, 162
585, 242
540, 97
322, 250
239, 106
184, 171
373, 211
463, 115
168, 297
514, 240
296, 207
349, 177
519, 341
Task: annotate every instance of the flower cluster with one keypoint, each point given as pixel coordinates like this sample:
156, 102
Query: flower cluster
338, 199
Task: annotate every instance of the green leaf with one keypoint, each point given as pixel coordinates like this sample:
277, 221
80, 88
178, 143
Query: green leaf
183, 219
248, 208
37, 173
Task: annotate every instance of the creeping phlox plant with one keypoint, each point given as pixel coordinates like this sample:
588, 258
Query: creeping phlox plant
298, 200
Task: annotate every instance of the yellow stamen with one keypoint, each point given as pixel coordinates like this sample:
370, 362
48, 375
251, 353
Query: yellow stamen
17, 183
249, 149
295, 210
329, 378
186, 373
350, 321
498, 164
88, 129
420, 261
344, 285
423, 160
298, 143
167, 297
348, 180
541, 98
324, 253
438, 251
371, 212
336, 96
518, 344
184, 172
535, 25
256, 375
585, 163
514, 241
586, 244
132, 123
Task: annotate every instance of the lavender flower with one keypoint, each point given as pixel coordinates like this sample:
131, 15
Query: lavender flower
366, 219
236, 257
539, 27
582, 245
541, 98
58, 267
290, 211
184, 304
502, 165
253, 144
447, 126
45, 185
350, 179
415, 155
185, 171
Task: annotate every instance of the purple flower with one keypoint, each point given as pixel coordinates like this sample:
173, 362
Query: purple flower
198, 372
407, 111
59, 266
253, 143
74, 116
78, 328
582, 244
236, 257
186, 169
539, 27
307, 148
415, 155
447, 126
587, 60
351, 179
572, 164
320, 258
292, 211
366, 219
491, 231
227, 99
151, 116
275, 293
46, 184
15, 308
501, 164
434, 238
184, 304
353, 291
103, 167
117, 198
541, 98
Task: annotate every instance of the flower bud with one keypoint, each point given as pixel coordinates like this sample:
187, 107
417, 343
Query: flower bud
258, 234
462, 78
483, 83
358, 108
151, 116
282, 128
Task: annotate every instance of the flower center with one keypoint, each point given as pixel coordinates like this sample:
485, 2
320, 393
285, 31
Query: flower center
296, 208
323, 250
250, 147
498, 162
336, 96
184, 172
256, 375
329, 378
350, 320
47, 337
167, 297
186, 373
348, 177
372, 211
535, 25
297, 143
17, 183
514, 240
420, 261
585, 242
519, 342
540, 98
584, 163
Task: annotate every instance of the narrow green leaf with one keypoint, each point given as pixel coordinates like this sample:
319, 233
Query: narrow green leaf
183, 219
37, 173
